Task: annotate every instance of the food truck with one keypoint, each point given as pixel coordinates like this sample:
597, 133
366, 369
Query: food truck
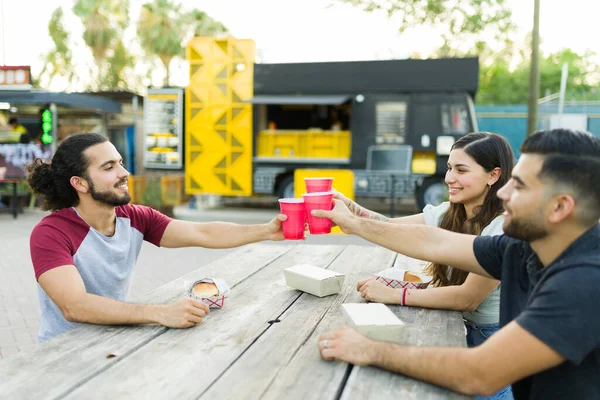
388, 125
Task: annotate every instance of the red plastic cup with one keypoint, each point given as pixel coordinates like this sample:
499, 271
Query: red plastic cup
318, 201
293, 226
314, 185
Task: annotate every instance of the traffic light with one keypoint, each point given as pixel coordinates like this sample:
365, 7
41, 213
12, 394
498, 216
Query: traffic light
46, 127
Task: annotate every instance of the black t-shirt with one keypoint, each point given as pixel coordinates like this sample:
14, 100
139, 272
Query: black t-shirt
559, 305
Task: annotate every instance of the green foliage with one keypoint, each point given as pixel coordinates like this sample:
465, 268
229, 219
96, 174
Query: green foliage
59, 60
204, 25
473, 28
163, 28
461, 22
118, 63
499, 84
104, 23
161, 32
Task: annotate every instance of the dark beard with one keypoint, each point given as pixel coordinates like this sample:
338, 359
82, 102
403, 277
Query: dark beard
525, 230
109, 198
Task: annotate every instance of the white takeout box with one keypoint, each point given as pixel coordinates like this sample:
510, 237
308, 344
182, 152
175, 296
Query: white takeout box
314, 280
374, 320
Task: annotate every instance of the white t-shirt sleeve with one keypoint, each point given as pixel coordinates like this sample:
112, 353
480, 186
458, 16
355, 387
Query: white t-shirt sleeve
495, 227
433, 214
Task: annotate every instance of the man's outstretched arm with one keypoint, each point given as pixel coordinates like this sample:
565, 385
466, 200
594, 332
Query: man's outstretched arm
219, 234
417, 241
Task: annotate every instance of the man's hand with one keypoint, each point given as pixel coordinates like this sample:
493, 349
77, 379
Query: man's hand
340, 196
377, 292
275, 228
347, 345
340, 215
183, 313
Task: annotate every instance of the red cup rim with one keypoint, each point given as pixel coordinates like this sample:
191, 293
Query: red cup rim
291, 200
317, 194
318, 179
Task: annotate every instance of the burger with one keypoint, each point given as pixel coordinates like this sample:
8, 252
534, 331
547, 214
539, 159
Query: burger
411, 277
205, 290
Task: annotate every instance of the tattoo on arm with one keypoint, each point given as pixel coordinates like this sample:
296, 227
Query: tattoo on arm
363, 212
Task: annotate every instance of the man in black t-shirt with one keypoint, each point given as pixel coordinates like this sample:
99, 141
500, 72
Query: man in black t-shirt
548, 262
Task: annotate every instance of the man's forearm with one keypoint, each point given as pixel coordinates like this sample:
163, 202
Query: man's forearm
422, 242
363, 212
453, 368
100, 310
223, 235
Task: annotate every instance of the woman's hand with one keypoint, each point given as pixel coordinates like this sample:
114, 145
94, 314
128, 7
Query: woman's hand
377, 292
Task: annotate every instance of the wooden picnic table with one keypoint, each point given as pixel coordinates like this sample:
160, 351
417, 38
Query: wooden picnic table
262, 344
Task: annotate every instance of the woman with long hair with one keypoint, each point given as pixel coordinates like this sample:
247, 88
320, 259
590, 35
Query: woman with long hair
479, 164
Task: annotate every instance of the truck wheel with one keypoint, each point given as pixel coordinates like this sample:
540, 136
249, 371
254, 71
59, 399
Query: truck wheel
285, 189
433, 191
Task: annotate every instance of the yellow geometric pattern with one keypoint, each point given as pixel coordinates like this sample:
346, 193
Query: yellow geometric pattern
218, 129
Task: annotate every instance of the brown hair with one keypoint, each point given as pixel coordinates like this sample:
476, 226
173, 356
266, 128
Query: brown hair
490, 151
52, 179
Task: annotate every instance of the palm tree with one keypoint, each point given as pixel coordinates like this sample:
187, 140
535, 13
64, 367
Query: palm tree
204, 25
163, 28
118, 63
104, 22
58, 61
162, 32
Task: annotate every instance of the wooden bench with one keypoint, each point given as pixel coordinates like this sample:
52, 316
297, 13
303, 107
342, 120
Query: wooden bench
262, 344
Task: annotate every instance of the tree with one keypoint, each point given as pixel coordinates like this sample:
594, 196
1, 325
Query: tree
161, 32
204, 25
59, 60
104, 23
118, 63
163, 27
464, 24
499, 84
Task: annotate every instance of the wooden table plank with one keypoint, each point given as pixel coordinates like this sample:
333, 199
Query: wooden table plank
184, 363
423, 328
285, 363
55, 367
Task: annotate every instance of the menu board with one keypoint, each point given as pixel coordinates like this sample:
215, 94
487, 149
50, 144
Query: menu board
163, 129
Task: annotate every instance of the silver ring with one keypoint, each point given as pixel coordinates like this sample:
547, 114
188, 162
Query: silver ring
325, 344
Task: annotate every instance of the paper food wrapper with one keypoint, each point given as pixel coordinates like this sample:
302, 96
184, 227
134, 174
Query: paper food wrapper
212, 302
394, 278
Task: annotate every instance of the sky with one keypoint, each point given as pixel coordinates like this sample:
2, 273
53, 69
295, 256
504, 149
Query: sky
300, 30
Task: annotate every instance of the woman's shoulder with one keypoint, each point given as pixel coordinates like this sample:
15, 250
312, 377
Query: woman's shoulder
433, 214
495, 227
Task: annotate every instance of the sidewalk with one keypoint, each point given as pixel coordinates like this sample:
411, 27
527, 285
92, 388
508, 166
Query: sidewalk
19, 311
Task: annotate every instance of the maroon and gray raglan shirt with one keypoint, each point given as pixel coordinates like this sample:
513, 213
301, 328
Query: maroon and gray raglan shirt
104, 263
